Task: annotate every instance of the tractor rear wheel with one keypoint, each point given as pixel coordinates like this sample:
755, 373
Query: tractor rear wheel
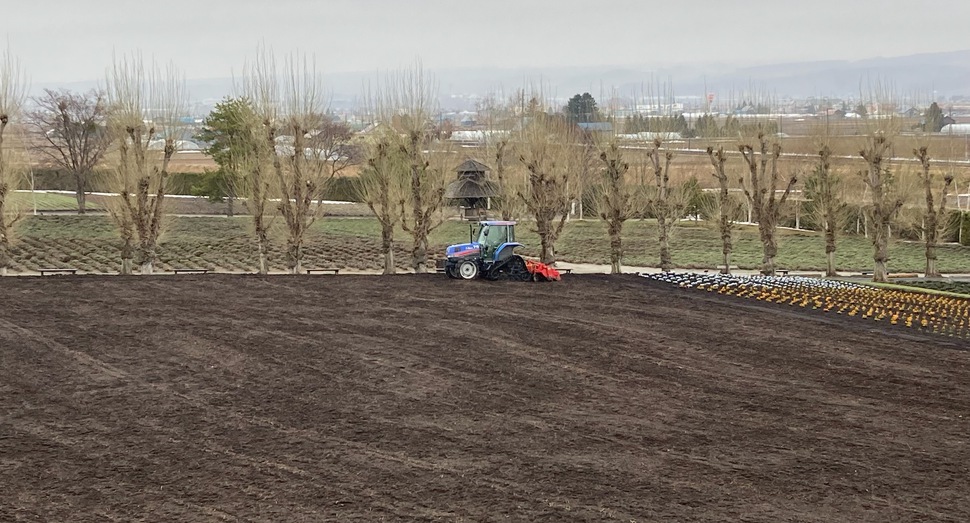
467, 270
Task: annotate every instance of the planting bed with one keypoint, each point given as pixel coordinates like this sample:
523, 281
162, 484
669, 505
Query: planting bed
945, 315
419, 398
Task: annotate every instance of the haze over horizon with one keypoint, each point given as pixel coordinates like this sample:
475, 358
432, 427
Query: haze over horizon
65, 41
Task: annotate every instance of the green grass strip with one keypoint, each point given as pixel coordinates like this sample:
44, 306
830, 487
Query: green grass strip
909, 288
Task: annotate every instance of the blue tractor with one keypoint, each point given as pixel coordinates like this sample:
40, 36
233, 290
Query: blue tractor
490, 256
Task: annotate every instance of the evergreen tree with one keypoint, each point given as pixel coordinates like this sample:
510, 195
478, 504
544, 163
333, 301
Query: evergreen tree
581, 108
933, 119
227, 140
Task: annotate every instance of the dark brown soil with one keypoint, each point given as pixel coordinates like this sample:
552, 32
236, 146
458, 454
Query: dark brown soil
418, 398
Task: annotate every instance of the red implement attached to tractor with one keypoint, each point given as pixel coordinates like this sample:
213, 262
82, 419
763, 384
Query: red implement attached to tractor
541, 271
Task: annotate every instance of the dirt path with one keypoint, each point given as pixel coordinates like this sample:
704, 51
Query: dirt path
418, 398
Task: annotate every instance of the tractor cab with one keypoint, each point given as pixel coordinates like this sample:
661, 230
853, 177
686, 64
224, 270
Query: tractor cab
493, 235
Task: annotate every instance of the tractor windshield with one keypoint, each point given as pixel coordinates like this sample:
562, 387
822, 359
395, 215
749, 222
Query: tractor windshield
492, 236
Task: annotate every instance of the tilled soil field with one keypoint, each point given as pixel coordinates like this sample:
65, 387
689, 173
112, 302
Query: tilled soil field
418, 398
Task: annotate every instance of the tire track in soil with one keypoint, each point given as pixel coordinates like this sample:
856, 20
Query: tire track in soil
681, 479
366, 453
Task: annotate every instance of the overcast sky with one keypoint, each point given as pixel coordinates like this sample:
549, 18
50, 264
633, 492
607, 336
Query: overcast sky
73, 40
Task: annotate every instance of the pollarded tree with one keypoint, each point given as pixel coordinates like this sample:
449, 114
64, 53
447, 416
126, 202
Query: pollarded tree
934, 217
725, 205
884, 204
406, 103
617, 200
291, 103
762, 164
72, 133
665, 203
548, 154
383, 187
146, 111
12, 94
823, 189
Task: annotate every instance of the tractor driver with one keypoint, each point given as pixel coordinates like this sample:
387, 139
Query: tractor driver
491, 238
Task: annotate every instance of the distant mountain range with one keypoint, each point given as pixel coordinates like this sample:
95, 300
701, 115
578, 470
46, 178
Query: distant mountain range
931, 75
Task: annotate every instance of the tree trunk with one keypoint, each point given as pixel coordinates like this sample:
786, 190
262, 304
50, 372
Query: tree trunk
389, 267
230, 207
830, 269
262, 239
80, 195
769, 245
880, 243
931, 270
419, 256
665, 260
616, 248
547, 254
387, 248
724, 226
294, 254
127, 251
931, 230
148, 257
4, 239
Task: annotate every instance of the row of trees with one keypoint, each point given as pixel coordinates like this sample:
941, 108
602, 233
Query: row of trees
277, 149
626, 183
274, 142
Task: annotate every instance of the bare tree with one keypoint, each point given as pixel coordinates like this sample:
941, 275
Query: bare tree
616, 202
884, 204
291, 103
382, 187
407, 103
547, 153
12, 94
145, 119
934, 217
587, 165
762, 167
259, 86
334, 141
665, 203
72, 132
725, 205
824, 187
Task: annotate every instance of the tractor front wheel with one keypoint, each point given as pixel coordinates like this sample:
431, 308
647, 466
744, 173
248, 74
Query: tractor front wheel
467, 270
